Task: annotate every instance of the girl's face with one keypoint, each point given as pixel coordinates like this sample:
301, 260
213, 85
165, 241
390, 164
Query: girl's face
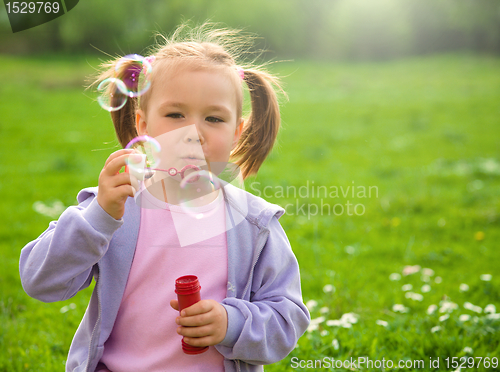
192, 113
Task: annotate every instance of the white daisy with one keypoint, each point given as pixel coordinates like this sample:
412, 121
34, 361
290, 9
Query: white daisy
414, 296
472, 307
490, 309
328, 288
349, 318
334, 323
447, 306
335, 344
428, 272
408, 270
382, 323
431, 309
464, 287
486, 277
395, 277
400, 308
464, 317
467, 350
444, 317
311, 304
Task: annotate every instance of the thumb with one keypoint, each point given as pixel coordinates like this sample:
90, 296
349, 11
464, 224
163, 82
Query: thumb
174, 304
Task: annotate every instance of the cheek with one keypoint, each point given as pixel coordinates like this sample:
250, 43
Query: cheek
158, 128
225, 140
219, 146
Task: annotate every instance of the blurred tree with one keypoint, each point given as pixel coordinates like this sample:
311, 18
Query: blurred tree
320, 29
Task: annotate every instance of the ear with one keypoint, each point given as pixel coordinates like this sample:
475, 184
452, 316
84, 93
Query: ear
237, 133
140, 123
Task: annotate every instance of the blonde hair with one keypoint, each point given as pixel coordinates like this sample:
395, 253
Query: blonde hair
207, 47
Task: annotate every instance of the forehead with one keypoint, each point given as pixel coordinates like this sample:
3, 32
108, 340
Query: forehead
195, 84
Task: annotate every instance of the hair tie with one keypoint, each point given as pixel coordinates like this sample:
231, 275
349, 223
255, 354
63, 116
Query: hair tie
150, 59
241, 72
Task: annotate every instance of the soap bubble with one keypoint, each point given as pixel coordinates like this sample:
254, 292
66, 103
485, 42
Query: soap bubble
150, 149
147, 146
135, 72
196, 191
198, 186
226, 172
187, 171
113, 95
133, 78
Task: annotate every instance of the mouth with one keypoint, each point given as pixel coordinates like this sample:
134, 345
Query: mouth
192, 159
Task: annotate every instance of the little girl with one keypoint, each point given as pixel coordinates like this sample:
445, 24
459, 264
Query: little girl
251, 312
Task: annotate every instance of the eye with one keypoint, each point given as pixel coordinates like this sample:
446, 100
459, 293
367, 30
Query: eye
174, 115
213, 119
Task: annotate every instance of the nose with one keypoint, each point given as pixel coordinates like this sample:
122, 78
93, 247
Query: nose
193, 135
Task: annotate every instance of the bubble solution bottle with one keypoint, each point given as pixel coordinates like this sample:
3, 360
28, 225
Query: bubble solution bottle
188, 293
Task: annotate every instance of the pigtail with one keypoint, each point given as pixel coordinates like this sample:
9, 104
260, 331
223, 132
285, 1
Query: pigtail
124, 121
261, 127
124, 118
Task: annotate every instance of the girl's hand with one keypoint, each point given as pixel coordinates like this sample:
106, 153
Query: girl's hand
115, 187
202, 324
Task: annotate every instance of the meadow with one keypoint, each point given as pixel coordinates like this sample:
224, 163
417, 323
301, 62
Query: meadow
390, 175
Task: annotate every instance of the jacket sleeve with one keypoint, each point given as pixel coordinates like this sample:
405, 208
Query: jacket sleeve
265, 329
60, 262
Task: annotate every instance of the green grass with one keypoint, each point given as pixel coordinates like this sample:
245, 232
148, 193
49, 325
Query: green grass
423, 131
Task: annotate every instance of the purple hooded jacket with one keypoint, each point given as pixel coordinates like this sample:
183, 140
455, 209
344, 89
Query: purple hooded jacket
266, 314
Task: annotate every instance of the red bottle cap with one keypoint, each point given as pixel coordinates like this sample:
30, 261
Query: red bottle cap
186, 285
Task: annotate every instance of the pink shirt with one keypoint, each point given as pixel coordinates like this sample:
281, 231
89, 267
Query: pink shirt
144, 336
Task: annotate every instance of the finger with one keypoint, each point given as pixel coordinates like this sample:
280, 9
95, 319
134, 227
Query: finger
200, 341
118, 153
196, 332
201, 307
119, 162
125, 190
195, 320
124, 179
119, 180
134, 182
174, 304
113, 166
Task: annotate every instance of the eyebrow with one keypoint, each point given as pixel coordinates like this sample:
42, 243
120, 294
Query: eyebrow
181, 105
166, 104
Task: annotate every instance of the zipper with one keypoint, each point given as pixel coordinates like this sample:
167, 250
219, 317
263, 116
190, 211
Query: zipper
98, 318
